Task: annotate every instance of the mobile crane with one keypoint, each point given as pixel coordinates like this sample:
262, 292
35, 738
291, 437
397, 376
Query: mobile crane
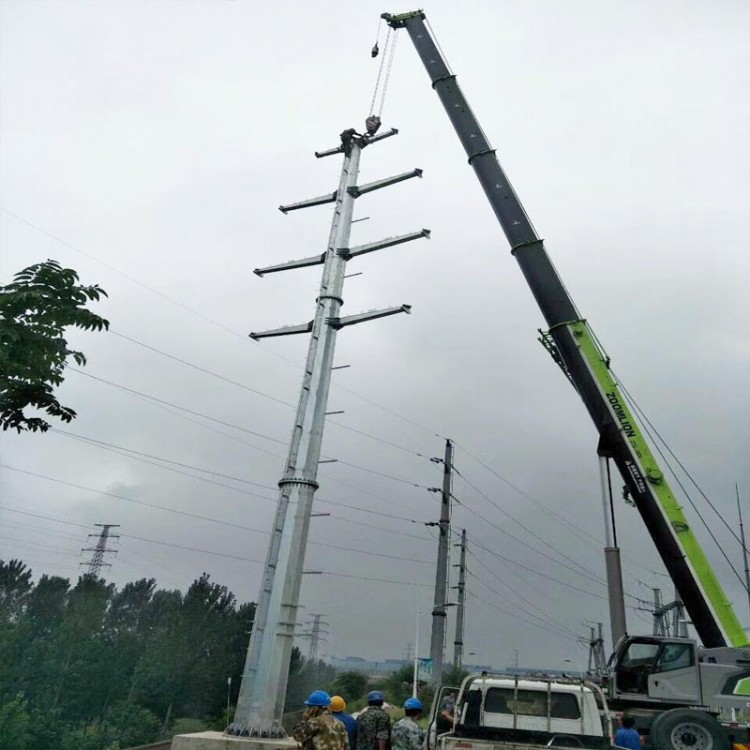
672, 687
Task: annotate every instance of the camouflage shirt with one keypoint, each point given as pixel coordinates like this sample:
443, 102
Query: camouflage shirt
407, 735
321, 733
373, 724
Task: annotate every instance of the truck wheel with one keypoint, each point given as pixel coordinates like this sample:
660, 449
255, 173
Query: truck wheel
686, 729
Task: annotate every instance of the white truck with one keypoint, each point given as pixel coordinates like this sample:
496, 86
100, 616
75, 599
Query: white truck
514, 712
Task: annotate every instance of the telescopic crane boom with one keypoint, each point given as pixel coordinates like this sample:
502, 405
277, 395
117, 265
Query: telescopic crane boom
576, 349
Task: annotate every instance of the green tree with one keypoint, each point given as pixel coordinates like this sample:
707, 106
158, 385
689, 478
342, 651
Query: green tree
454, 676
35, 309
350, 685
15, 585
15, 729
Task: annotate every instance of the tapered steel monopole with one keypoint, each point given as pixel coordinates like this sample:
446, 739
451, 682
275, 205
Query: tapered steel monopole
261, 700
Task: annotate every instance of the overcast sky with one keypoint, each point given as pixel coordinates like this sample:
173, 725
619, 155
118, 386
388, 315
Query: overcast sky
148, 145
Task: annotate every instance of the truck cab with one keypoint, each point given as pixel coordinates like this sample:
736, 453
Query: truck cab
498, 711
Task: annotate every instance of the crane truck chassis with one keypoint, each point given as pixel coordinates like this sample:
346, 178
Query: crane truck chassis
673, 688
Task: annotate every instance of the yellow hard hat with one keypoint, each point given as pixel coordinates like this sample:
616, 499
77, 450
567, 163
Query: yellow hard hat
337, 703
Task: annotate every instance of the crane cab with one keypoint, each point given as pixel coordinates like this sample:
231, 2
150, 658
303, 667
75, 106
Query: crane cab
644, 669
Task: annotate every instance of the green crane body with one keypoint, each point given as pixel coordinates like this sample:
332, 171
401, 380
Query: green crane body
574, 347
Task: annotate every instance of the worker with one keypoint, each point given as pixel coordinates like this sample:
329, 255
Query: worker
448, 706
626, 736
348, 136
374, 724
338, 711
406, 733
318, 730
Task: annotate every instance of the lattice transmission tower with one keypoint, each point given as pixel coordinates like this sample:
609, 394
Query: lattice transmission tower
97, 561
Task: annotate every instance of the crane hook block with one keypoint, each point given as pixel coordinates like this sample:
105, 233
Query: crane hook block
372, 123
375, 51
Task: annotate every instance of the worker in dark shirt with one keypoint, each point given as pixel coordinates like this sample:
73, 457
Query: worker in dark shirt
374, 724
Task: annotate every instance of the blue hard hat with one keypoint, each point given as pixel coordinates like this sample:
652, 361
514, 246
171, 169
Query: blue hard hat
318, 698
413, 703
375, 695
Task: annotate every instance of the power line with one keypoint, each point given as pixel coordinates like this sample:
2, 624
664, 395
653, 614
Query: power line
121, 450
536, 551
719, 547
540, 612
572, 528
257, 434
203, 369
136, 454
205, 518
35, 546
177, 406
536, 572
518, 617
542, 506
380, 580
220, 554
529, 531
210, 320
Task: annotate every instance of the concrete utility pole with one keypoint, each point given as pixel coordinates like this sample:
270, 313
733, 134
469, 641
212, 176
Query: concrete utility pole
96, 563
437, 640
458, 644
260, 705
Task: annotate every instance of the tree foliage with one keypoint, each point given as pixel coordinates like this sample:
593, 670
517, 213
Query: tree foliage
351, 686
90, 667
86, 666
35, 309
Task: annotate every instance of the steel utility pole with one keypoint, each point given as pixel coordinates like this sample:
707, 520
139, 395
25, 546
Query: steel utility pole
260, 705
659, 615
597, 659
96, 563
458, 644
437, 640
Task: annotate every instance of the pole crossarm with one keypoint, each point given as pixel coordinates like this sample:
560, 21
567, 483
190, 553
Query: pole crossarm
357, 190
313, 260
285, 331
353, 252
319, 201
364, 140
351, 320
345, 252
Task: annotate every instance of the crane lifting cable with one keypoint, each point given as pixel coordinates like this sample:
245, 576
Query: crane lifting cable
375, 48
381, 68
389, 67
381, 83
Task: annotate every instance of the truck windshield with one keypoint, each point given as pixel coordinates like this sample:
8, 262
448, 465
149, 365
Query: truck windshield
531, 703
